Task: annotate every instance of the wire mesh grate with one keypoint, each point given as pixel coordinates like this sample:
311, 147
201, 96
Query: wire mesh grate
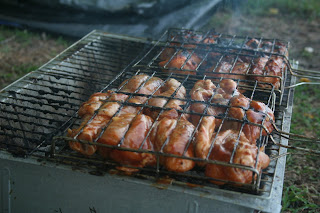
216, 54
37, 111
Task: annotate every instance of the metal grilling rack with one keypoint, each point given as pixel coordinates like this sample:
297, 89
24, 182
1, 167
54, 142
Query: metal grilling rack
37, 110
218, 56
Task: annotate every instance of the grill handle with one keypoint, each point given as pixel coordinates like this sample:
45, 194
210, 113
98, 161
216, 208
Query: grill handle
307, 77
295, 137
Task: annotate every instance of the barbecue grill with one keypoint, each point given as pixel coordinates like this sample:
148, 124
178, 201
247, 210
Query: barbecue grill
37, 110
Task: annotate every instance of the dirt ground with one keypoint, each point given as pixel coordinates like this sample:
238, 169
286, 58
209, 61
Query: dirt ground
22, 51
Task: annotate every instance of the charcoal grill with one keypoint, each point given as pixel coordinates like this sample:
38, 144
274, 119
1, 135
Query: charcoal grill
36, 162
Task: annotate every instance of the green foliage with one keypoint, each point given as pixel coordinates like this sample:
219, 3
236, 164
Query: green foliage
296, 200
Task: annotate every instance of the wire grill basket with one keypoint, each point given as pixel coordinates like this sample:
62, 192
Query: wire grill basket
37, 110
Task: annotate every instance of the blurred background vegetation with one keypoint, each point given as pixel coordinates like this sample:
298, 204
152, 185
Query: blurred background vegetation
22, 51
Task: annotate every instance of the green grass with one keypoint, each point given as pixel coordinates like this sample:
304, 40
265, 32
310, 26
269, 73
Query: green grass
295, 199
309, 9
306, 113
17, 72
305, 121
24, 37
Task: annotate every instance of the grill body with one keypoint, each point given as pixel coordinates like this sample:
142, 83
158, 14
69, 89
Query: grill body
31, 186
40, 105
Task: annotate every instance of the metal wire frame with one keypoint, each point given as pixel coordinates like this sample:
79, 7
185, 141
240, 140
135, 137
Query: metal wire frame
35, 108
187, 81
225, 45
69, 78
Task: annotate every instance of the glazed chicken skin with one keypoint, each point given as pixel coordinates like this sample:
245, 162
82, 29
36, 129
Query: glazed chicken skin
92, 128
187, 58
128, 131
170, 88
108, 120
203, 138
143, 85
268, 46
245, 154
268, 65
93, 124
172, 136
184, 62
191, 58
231, 69
204, 90
189, 40
242, 108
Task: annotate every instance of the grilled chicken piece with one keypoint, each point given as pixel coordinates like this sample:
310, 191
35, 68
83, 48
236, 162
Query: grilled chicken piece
132, 84
240, 68
94, 102
128, 131
242, 108
245, 154
171, 87
268, 67
93, 124
152, 86
268, 46
228, 67
114, 133
188, 37
203, 90
203, 138
184, 62
189, 40
172, 136
146, 86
